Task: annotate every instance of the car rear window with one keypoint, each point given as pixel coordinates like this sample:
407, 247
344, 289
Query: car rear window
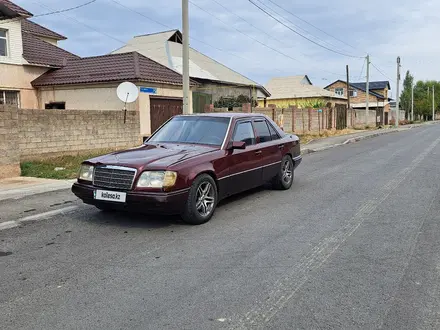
193, 129
262, 131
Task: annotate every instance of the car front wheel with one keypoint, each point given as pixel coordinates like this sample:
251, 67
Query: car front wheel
202, 200
284, 178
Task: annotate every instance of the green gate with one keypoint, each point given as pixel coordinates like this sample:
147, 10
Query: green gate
200, 100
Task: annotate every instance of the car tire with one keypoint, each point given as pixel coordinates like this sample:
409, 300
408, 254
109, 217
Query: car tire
202, 200
284, 180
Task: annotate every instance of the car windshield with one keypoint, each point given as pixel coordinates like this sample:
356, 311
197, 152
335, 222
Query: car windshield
193, 129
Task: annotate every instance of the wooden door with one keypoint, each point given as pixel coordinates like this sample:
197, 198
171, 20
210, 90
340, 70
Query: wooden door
162, 109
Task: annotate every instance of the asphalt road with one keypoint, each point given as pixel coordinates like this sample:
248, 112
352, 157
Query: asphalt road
353, 245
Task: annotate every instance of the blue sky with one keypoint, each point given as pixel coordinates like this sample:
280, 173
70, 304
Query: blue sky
384, 29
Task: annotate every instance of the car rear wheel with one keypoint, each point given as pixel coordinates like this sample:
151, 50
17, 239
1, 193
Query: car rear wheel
284, 178
202, 200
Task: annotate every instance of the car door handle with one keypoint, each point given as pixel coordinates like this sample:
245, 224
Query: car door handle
281, 146
258, 152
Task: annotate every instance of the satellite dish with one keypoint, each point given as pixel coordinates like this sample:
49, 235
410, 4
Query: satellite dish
127, 92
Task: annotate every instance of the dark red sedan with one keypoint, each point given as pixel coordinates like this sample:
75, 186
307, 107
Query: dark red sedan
190, 163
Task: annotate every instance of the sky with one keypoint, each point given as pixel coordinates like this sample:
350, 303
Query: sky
244, 38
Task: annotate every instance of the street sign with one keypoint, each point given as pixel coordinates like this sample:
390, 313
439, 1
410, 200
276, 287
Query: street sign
149, 90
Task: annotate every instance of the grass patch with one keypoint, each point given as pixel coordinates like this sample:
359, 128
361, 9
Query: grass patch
45, 168
307, 137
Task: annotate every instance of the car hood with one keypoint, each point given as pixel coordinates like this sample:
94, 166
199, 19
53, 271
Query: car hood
158, 156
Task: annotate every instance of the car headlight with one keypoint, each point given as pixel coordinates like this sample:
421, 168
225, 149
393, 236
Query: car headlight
157, 179
86, 172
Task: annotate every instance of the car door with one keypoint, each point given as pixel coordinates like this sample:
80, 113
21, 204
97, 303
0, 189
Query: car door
244, 164
271, 150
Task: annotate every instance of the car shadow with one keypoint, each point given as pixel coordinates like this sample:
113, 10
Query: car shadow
131, 219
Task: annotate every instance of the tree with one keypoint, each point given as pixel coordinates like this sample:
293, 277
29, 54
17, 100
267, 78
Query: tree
405, 96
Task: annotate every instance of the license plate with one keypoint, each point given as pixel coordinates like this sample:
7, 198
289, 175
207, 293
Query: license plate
110, 196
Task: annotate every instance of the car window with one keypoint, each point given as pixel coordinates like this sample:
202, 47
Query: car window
262, 131
273, 133
193, 129
244, 132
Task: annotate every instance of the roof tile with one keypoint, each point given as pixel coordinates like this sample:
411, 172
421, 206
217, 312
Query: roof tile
37, 51
15, 8
110, 68
38, 30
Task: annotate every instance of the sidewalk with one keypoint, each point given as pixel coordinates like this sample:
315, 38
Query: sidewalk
20, 187
334, 141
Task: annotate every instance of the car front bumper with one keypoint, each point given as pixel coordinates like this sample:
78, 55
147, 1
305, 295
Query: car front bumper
148, 202
296, 161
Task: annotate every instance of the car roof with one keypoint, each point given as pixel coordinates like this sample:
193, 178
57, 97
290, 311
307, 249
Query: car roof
227, 114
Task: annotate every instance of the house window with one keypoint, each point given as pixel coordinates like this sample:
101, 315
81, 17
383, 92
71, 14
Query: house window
353, 93
339, 91
55, 105
9, 97
3, 43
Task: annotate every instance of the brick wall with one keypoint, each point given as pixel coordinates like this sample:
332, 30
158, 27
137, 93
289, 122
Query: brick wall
9, 153
30, 134
361, 95
50, 132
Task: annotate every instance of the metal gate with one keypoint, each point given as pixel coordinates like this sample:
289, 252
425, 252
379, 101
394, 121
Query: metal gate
341, 116
200, 100
379, 117
162, 109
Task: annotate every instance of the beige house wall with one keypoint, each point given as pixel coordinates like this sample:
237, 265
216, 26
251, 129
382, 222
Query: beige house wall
19, 77
103, 97
14, 42
82, 97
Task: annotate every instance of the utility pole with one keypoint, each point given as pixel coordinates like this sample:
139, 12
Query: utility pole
348, 96
367, 90
433, 103
185, 56
397, 92
412, 101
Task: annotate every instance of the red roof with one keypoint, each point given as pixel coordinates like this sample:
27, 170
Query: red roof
10, 9
37, 51
110, 68
38, 30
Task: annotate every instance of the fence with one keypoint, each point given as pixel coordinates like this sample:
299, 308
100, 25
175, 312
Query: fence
28, 134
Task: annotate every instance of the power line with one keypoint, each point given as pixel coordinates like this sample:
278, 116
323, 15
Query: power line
301, 35
131, 46
65, 10
55, 11
301, 19
86, 25
254, 39
297, 26
383, 74
255, 27
168, 27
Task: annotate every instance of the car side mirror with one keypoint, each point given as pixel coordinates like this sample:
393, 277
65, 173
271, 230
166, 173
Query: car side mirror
236, 145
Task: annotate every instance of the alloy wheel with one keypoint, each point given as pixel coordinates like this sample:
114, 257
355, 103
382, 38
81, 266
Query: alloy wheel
205, 199
287, 171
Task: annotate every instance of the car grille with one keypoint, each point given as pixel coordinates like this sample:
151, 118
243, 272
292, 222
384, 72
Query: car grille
114, 177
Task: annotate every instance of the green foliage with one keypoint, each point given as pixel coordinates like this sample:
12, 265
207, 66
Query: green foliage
422, 96
45, 168
231, 102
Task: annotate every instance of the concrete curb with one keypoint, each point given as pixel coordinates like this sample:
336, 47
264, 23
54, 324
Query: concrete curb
307, 151
33, 189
